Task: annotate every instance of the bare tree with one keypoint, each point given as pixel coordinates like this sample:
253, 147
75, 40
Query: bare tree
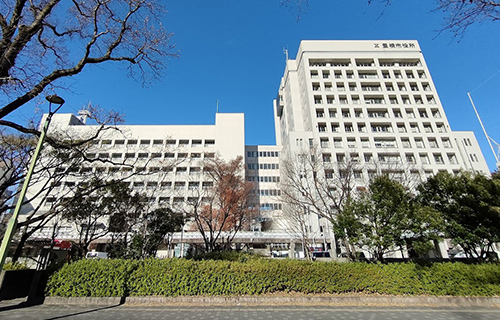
222, 209
464, 13
312, 184
42, 42
461, 14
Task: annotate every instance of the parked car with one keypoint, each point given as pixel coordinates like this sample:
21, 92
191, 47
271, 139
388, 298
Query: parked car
97, 255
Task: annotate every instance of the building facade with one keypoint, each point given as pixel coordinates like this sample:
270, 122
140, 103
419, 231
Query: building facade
371, 105
368, 103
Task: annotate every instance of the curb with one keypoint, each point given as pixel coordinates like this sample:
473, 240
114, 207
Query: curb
267, 300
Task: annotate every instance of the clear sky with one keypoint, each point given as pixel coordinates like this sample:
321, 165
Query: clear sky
232, 51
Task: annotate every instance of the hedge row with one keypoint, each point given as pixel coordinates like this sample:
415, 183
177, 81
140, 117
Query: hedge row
176, 277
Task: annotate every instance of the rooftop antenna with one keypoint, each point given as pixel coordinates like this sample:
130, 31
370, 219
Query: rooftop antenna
490, 139
285, 51
84, 113
217, 106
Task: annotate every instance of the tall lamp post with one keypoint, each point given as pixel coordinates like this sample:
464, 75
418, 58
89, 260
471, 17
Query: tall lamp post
11, 227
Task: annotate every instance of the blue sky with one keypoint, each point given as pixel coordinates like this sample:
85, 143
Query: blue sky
232, 51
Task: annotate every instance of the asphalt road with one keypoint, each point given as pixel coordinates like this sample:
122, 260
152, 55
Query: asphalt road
52, 312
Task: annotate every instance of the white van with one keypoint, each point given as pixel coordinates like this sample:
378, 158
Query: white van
97, 255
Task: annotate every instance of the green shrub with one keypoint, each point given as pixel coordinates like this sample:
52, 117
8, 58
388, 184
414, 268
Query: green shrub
178, 277
15, 266
92, 278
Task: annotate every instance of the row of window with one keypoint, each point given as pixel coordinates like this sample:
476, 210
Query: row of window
394, 158
374, 99
128, 170
406, 142
382, 127
275, 179
146, 155
270, 206
266, 192
163, 185
369, 62
371, 86
367, 74
255, 154
156, 142
263, 166
378, 113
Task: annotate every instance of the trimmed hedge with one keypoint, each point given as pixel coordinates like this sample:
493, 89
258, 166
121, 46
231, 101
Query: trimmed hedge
176, 277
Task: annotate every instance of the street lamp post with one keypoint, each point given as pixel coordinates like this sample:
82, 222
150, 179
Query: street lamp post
11, 227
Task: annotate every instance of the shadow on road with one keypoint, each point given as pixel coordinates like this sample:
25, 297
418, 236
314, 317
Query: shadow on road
84, 312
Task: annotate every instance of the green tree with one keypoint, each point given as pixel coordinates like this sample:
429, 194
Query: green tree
470, 205
110, 207
160, 223
386, 218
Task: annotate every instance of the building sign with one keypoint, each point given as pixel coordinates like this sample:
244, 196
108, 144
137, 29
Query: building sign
395, 45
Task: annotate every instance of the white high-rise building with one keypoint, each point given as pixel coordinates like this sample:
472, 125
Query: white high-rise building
372, 103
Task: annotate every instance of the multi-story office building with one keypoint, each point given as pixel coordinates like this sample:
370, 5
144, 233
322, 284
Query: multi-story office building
165, 162
371, 103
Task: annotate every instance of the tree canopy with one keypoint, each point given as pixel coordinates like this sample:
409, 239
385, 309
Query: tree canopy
470, 205
387, 218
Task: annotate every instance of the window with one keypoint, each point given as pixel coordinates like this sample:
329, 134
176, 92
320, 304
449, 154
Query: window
322, 127
446, 143
381, 128
406, 143
318, 100
379, 143
438, 158
410, 158
424, 159
209, 143
419, 143
157, 143
452, 158
374, 100
433, 143
351, 143
337, 143
365, 143
377, 114
324, 143
332, 113
320, 113
441, 128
